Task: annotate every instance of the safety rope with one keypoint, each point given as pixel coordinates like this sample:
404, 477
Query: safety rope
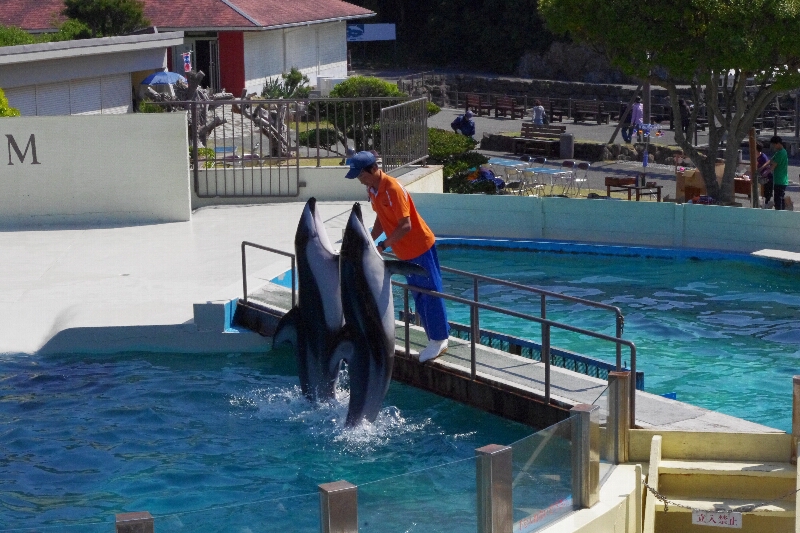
740, 509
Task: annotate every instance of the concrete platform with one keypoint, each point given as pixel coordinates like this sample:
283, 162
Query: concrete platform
114, 289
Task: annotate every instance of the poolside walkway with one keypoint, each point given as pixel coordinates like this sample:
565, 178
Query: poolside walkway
100, 289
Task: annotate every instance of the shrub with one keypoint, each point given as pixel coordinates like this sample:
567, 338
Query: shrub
365, 87
433, 108
327, 138
291, 85
444, 145
148, 106
460, 184
5, 108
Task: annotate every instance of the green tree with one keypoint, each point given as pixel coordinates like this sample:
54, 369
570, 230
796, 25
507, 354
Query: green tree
107, 17
5, 109
735, 56
357, 122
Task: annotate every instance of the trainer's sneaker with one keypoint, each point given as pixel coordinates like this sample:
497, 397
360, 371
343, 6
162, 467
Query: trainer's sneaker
433, 350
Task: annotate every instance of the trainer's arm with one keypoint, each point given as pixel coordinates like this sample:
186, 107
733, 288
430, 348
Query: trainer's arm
377, 229
402, 229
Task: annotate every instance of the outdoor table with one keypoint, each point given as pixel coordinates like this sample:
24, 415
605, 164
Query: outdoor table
642, 190
553, 173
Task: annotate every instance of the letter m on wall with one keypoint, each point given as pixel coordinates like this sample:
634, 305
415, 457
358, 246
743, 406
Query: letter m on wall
12, 144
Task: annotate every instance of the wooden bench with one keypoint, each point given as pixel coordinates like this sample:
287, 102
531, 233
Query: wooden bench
541, 140
508, 105
557, 111
584, 109
478, 106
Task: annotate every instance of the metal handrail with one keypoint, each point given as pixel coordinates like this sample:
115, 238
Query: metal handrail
268, 249
546, 325
620, 318
475, 305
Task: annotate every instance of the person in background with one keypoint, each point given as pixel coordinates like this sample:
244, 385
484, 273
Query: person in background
779, 165
686, 115
464, 124
538, 112
765, 176
637, 117
410, 239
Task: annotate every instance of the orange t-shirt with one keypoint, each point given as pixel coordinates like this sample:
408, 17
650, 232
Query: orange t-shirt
391, 202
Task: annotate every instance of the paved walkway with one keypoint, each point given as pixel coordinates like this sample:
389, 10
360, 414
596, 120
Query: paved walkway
137, 285
664, 175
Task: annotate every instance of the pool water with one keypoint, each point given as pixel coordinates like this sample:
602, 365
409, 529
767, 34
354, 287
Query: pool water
215, 443
723, 334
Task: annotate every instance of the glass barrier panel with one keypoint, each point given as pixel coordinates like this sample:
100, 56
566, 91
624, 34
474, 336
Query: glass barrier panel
438, 499
298, 514
542, 477
56, 526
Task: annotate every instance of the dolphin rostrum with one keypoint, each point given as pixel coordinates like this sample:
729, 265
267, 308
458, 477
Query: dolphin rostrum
369, 317
314, 325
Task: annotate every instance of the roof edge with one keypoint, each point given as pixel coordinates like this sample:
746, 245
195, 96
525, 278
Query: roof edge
84, 47
274, 27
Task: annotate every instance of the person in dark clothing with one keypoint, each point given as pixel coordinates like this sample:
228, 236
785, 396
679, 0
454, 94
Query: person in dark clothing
765, 176
686, 115
464, 124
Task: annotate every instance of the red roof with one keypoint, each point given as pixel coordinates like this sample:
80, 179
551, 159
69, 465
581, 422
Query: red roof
39, 15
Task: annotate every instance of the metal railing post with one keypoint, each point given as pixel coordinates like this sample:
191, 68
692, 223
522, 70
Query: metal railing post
620, 321
632, 388
795, 416
493, 476
195, 140
138, 522
476, 330
546, 351
585, 455
407, 321
618, 423
244, 274
338, 507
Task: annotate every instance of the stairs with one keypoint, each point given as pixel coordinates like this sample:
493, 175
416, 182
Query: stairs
710, 479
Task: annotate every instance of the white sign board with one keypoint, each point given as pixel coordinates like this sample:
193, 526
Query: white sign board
371, 32
717, 518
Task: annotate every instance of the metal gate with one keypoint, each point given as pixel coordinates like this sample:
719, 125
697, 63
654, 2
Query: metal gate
404, 135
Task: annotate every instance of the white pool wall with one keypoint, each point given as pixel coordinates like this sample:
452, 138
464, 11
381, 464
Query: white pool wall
655, 224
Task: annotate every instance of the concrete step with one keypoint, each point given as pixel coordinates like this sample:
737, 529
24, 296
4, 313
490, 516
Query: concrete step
754, 481
776, 517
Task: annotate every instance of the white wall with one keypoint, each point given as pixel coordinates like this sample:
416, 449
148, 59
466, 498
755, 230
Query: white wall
316, 50
617, 222
115, 169
107, 95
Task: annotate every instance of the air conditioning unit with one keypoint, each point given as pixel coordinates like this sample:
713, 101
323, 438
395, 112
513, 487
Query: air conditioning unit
326, 85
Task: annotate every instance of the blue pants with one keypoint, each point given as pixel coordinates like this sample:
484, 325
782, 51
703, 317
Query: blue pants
431, 309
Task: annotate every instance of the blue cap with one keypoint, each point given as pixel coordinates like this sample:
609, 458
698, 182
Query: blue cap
359, 162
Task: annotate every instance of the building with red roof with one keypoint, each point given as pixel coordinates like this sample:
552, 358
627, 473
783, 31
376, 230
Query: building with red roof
239, 44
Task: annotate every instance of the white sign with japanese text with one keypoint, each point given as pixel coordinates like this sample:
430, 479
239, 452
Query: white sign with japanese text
717, 518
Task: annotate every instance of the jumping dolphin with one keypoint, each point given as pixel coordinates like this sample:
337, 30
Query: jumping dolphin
369, 316
314, 325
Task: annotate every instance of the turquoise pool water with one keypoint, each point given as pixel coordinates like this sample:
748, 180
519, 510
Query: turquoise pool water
228, 444
723, 334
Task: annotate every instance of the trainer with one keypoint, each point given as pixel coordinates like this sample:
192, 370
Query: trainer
411, 240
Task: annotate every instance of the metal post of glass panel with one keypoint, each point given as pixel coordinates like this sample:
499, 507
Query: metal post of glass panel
338, 507
585, 455
493, 476
618, 423
138, 522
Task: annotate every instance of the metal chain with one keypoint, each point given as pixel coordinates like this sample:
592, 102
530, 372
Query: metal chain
741, 509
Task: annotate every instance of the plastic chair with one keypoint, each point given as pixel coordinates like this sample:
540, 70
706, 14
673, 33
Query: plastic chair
538, 161
579, 181
566, 178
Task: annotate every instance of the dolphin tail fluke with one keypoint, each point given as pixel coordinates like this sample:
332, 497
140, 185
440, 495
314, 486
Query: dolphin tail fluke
406, 268
286, 331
